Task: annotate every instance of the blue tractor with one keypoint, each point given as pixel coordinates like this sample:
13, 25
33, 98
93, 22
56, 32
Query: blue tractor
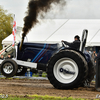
66, 67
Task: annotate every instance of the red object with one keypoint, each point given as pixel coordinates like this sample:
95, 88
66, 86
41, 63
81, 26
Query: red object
14, 31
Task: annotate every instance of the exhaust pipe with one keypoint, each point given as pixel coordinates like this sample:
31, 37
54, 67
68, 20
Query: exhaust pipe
21, 44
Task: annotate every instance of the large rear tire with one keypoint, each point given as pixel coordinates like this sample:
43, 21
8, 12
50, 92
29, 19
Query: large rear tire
9, 68
67, 69
91, 71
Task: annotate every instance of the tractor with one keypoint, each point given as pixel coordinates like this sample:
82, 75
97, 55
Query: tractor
66, 67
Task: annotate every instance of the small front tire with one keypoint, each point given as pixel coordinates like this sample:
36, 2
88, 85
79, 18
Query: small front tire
9, 68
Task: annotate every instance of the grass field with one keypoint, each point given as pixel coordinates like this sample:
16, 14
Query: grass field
40, 97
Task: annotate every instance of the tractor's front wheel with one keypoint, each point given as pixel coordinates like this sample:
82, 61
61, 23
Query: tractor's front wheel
9, 68
67, 69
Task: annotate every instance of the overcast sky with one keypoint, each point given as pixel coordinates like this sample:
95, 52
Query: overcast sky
74, 9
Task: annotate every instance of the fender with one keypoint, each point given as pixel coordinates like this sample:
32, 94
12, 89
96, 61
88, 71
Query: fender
67, 48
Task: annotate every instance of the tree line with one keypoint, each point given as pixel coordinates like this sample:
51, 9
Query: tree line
6, 24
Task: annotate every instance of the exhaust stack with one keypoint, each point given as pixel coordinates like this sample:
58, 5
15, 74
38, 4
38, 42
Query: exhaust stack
21, 44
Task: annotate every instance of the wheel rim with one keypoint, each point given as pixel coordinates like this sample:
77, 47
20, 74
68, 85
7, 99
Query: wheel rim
8, 68
69, 65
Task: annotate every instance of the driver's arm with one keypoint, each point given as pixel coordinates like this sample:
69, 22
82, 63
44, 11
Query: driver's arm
67, 43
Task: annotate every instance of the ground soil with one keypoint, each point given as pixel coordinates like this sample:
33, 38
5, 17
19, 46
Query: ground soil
22, 87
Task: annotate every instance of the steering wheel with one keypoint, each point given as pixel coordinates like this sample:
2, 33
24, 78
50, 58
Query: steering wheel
63, 45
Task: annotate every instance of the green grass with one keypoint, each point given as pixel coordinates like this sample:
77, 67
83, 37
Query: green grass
44, 74
37, 75
40, 97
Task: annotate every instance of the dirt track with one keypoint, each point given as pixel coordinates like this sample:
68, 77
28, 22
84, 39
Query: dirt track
42, 87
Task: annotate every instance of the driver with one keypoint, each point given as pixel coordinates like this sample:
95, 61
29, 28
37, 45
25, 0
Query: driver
75, 44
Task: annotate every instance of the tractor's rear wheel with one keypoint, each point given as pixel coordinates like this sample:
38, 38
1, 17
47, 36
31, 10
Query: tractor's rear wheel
91, 72
67, 69
9, 68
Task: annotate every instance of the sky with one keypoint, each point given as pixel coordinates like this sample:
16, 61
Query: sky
76, 10
17, 7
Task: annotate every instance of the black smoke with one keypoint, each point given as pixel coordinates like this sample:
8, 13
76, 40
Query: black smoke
35, 8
